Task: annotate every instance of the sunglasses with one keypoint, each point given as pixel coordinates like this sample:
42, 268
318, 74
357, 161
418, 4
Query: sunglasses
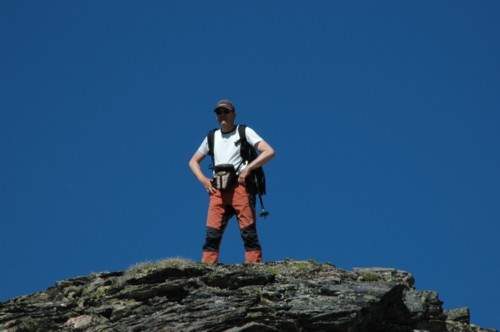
219, 112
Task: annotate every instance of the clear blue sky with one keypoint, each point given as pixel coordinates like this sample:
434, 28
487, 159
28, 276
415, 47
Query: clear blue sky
384, 116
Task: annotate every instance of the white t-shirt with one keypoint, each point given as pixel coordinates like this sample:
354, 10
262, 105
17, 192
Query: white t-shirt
225, 149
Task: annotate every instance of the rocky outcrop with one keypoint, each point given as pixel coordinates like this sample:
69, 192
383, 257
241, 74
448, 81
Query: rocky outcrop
178, 295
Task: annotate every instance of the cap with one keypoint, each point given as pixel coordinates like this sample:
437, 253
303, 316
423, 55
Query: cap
225, 103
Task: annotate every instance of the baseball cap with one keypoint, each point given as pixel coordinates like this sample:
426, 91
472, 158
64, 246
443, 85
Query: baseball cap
225, 103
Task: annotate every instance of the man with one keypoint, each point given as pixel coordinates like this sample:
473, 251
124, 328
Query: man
237, 199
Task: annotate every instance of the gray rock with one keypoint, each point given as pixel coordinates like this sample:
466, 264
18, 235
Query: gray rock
277, 296
461, 315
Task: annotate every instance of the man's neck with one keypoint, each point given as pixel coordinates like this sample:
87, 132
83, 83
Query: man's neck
227, 128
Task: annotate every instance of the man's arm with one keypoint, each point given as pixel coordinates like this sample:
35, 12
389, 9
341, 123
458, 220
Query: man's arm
194, 164
266, 154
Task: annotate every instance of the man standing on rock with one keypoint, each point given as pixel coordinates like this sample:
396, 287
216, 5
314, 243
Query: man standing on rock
230, 193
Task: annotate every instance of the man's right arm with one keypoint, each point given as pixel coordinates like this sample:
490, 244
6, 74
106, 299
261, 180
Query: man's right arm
194, 164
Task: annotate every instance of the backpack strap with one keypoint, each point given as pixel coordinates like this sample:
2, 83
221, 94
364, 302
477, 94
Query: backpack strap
241, 132
210, 141
242, 143
247, 151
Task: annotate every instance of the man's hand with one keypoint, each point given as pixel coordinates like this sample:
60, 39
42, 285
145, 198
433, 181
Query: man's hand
207, 183
243, 175
194, 164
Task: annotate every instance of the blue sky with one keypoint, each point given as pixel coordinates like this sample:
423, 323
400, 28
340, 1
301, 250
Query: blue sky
384, 116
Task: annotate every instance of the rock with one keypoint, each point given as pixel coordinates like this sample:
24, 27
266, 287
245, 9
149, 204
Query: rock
277, 296
83, 322
461, 315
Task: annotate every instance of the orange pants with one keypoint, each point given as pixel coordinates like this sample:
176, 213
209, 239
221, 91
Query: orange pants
223, 206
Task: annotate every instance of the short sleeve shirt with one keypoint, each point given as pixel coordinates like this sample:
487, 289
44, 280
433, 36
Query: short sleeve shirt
225, 149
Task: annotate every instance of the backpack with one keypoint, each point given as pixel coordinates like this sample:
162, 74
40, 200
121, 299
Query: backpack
256, 180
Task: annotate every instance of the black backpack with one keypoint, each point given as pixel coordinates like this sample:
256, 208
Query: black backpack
256, 180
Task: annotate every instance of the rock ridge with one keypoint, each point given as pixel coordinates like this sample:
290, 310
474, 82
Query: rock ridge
290, 295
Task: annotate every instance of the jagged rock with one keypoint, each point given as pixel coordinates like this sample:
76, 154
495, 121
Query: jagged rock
277, 296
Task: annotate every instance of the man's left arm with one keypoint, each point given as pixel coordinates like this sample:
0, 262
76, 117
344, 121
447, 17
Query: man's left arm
266, 154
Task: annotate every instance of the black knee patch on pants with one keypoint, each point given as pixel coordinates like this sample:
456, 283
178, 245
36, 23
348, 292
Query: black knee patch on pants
214, 235
212, 240
250, 238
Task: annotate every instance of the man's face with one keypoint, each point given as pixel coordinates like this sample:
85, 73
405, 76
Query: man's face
225, 116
